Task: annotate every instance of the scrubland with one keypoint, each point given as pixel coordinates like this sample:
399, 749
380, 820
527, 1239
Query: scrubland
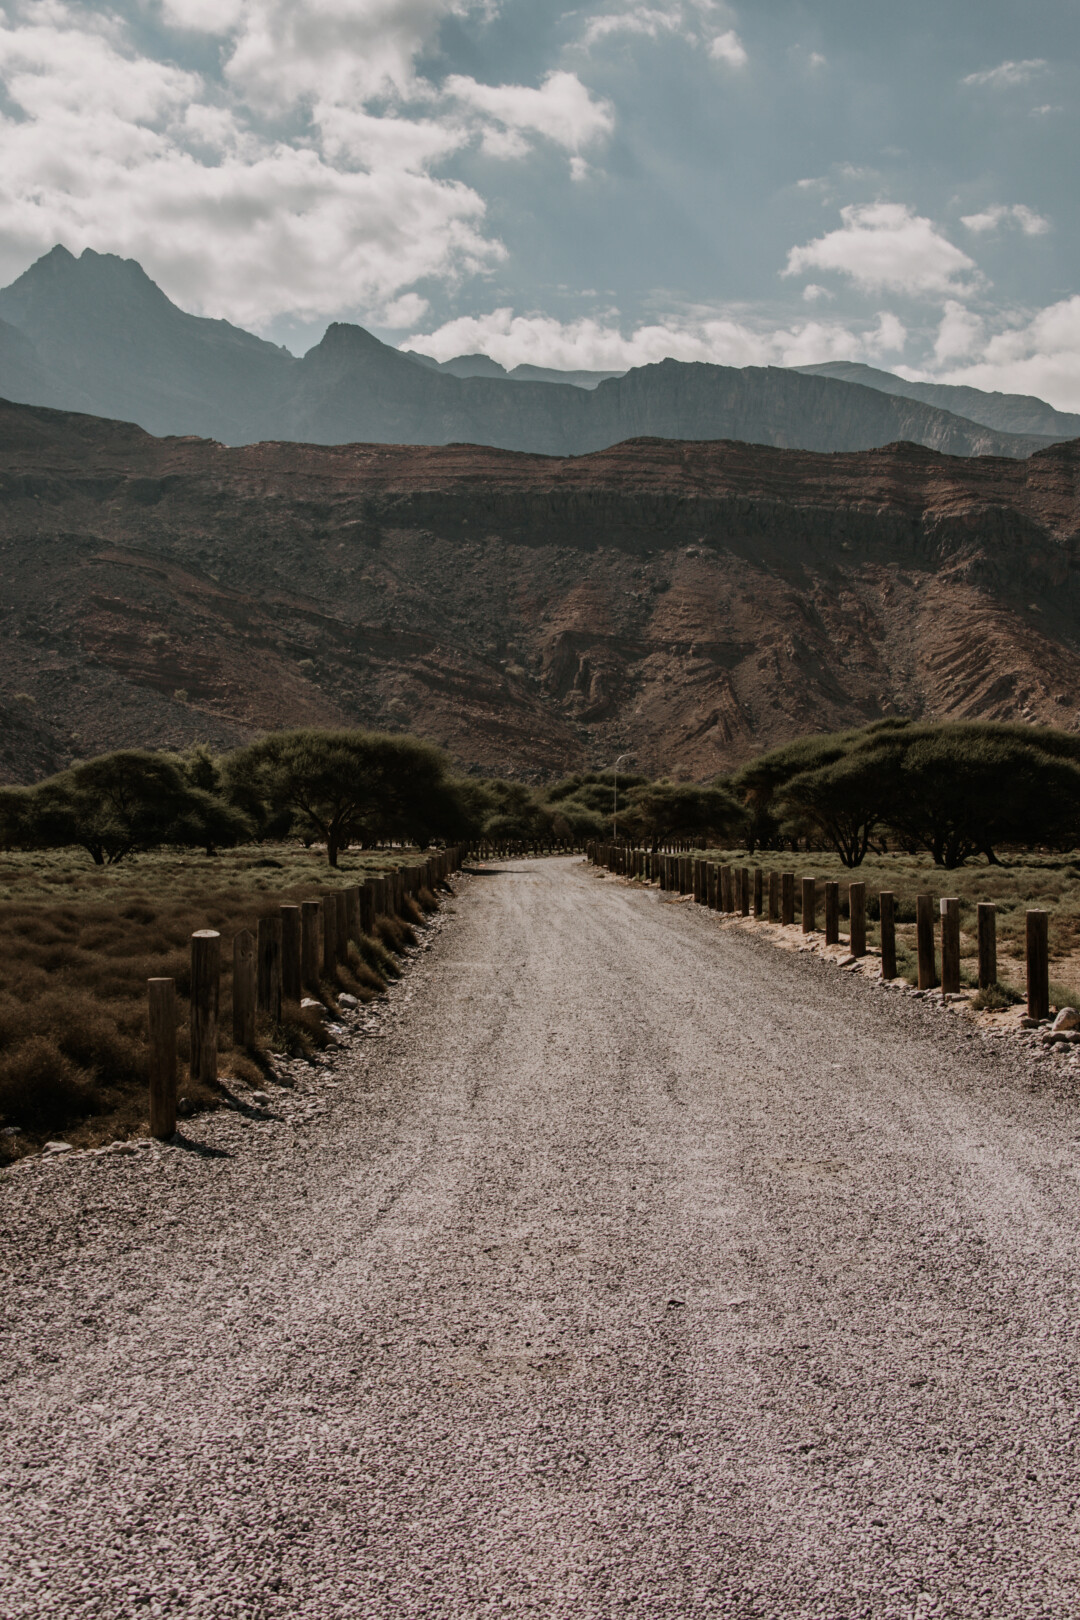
78, 943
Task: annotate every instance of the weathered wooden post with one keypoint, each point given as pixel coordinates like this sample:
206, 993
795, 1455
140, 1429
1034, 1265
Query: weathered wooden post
809, 905
329, 934
987, 920
162, 993
832, 912
787, 898
1038, 964
309, 944
757, 892
205, 993
352, 909
243, 989
774, 896
857, 918
341, 926
268, 969
950, 947
924, 937
744, 891
887, 902
367, 908
290, 953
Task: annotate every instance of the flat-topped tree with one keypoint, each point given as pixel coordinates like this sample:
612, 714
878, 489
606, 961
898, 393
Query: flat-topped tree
349, 786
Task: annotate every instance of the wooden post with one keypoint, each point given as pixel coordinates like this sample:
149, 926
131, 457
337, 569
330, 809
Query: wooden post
367, 908
787, 898
352, 909
268, 969
950, 947
309, 945
162, 1057
205, 992
290, 953
987, 915
726, 898
857, 918
887, 901
832, 913
329, 934
774, 897
744, 891
924, 934
243, 989
809, 905
341, 930
1038, 964
757, 891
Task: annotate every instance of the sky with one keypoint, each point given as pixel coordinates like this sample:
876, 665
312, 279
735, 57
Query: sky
776, 182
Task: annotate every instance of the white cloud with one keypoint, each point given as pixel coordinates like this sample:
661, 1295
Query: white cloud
116, 151
601, 345
886, 247
649, 21
959, 333
1007, 74
562, 110
728, 47
1031, 223
1040, 356
698, 22
340, 51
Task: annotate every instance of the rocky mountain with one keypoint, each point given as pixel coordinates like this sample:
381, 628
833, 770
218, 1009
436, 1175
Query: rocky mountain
687, 602
101, 330
1006, 413
96, 334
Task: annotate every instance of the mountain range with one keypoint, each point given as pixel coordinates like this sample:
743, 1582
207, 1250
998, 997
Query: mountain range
687, 602
96, 334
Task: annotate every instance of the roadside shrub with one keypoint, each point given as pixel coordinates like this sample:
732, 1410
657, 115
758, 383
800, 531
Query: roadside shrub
41, 1088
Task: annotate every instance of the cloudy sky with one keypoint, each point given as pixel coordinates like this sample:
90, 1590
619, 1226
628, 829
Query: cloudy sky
781, 181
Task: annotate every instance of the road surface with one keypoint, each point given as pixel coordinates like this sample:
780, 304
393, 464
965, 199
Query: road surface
628, 1267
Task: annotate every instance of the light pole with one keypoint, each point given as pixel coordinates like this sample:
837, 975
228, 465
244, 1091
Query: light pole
615, 798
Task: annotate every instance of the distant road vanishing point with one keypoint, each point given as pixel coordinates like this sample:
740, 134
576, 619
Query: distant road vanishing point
627, 1267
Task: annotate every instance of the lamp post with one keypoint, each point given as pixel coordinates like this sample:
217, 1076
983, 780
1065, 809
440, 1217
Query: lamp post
615, 798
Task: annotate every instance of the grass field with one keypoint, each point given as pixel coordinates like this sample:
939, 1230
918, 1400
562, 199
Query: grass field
78, 943
1022, 882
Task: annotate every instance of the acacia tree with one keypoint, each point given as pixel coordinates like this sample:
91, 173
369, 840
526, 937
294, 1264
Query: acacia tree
844, 800
114, 805
660, 811
349, 786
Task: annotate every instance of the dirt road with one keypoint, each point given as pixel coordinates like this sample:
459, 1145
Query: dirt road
632, 1268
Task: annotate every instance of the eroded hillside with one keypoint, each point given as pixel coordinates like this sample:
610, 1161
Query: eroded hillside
691, 602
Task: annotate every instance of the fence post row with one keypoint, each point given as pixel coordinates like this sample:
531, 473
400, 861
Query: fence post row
727, 889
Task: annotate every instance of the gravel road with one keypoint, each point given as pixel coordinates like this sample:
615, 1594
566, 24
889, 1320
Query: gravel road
623, 1266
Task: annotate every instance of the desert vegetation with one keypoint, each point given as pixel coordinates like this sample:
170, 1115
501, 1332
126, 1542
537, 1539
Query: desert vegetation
107, 867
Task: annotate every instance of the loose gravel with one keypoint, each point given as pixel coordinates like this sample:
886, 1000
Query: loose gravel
619, 1266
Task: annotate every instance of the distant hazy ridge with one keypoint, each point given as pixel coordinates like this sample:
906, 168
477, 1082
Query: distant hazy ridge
95, 334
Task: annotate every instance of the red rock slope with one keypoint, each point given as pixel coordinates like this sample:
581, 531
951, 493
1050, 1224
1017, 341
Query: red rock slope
691, 602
